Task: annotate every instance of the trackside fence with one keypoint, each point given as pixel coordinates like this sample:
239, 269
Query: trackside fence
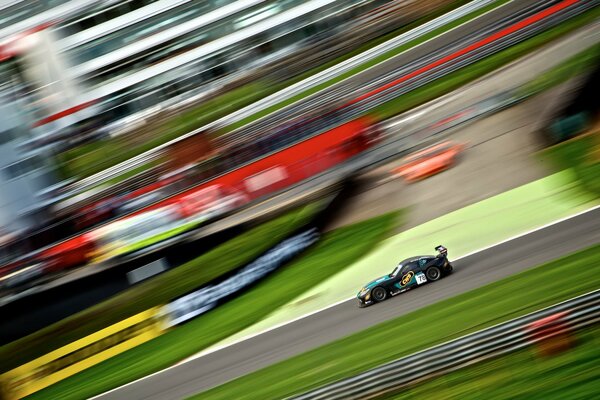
559, 319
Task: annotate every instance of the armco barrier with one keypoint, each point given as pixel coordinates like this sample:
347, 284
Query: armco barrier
500, 339
81, 354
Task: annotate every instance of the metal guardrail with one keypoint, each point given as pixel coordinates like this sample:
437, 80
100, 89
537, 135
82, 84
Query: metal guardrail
509, 336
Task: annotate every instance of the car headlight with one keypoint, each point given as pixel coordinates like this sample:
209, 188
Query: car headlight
363, 291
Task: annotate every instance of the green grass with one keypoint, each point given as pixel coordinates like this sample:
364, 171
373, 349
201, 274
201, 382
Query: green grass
158, 290
471, 311
571, 375
582, 156
474, 71
332, 253
91, 158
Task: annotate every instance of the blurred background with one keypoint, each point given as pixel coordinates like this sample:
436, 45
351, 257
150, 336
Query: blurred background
169, 156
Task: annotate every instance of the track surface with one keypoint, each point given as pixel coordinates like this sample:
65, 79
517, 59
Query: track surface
346, 318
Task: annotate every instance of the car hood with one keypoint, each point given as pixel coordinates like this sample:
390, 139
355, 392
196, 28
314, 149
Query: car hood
377, 281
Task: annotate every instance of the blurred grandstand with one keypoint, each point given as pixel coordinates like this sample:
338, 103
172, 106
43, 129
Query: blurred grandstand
76, 73
81, 71
87, 70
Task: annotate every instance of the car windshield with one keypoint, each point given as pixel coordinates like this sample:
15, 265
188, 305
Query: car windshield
396, 270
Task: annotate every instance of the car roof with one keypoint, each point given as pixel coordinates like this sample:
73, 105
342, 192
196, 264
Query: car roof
414, 258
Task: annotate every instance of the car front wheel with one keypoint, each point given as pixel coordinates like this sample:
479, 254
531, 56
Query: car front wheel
433, 273
379, 294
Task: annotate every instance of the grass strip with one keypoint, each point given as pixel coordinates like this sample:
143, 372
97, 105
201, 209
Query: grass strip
336, 250
94, 157
573, 374
158, 290
505, 299
474, 71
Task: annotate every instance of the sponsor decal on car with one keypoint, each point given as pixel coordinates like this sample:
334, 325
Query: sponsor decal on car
406, 278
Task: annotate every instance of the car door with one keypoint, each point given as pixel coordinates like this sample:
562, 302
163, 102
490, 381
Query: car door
407, 276
424, 263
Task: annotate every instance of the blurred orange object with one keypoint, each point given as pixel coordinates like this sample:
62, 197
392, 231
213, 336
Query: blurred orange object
551, 335
429, 161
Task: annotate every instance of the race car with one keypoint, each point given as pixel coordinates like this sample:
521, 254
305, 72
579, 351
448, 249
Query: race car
409, 273
429, 161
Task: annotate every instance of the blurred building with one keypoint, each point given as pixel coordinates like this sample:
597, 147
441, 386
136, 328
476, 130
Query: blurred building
68, 66
23, 175
85, 69
104, 64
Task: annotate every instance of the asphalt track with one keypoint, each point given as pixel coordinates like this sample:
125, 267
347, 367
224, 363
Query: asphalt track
346, 318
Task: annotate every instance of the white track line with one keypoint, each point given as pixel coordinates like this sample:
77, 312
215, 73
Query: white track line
243, 339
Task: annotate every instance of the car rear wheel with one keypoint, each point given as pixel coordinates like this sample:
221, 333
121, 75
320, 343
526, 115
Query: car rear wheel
379, 294
433, 273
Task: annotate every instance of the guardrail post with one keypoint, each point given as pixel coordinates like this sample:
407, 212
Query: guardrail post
551, 335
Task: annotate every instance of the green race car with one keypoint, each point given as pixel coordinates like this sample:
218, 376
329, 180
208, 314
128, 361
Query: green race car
409, 273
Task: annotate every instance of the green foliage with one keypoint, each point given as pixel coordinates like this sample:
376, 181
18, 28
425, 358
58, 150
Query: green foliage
582, 156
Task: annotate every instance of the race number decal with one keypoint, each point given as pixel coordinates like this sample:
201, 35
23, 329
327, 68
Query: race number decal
421, 279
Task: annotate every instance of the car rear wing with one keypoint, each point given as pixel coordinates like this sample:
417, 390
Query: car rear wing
442, 250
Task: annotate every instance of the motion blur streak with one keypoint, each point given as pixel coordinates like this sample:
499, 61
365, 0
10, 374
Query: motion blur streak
519, 25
